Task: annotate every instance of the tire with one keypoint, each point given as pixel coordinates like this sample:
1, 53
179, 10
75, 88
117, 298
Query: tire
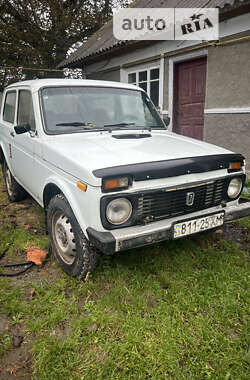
69, 245
15, 191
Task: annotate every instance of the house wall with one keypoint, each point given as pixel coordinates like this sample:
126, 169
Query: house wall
231, 131
227, 108
113, 75
228, 76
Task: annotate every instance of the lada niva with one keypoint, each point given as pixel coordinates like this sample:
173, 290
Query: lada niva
110, 176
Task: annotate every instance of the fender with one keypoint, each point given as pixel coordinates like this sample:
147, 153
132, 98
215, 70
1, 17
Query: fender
72, 194
7, 157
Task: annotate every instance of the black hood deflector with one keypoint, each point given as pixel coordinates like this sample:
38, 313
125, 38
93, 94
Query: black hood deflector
171, 168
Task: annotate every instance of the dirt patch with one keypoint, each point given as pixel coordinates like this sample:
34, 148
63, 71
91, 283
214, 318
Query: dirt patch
39, 275
237, 234
26, 214
16, 364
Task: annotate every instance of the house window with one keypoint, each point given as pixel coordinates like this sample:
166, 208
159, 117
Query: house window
149, 80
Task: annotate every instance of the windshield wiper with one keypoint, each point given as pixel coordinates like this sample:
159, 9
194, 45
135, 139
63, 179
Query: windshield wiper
157, 126
86, 125
119, 125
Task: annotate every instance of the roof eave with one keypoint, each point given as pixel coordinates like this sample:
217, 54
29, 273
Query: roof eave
227, 12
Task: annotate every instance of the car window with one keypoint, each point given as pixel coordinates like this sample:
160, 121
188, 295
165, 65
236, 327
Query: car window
25, 113
9, 107
97, 107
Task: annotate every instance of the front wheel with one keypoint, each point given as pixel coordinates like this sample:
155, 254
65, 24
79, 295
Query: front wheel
15, 191
69, 245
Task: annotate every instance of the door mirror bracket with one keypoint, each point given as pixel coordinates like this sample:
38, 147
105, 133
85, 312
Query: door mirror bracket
166, 120
22, 128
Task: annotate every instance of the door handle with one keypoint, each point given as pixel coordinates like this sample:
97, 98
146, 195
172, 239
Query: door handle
12, 134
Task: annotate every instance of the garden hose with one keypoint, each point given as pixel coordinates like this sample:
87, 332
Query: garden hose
28, 263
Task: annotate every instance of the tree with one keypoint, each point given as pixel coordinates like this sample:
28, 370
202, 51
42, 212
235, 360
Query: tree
39, 33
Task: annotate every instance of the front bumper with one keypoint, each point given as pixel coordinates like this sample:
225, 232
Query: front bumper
137, 236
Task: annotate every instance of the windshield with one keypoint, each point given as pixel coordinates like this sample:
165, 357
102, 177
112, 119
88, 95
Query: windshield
79, 109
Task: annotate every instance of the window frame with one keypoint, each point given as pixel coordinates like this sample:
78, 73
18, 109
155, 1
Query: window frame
18, 105
41, 107
4, 104
149, 81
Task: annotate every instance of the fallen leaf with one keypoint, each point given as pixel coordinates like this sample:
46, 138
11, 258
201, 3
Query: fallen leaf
26, 227
14, 369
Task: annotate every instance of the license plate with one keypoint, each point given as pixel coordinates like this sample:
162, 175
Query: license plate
193, 226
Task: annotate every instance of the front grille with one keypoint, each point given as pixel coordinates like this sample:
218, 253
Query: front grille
164, 204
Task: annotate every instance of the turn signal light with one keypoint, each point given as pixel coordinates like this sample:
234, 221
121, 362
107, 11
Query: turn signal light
116, 183
234, 166
81, 186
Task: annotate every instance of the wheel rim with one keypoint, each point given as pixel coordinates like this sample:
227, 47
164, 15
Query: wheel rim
63, 237
8, 182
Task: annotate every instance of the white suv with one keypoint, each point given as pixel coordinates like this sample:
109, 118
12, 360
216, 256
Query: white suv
110, 176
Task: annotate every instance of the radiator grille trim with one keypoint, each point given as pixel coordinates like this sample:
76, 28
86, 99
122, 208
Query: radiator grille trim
163, 204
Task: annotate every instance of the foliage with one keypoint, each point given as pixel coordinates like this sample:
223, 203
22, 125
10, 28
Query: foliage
40, 33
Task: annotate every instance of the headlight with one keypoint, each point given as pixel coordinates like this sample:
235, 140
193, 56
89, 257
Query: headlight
234, 188
119, 211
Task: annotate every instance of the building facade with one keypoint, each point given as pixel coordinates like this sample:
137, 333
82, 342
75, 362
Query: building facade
203, 87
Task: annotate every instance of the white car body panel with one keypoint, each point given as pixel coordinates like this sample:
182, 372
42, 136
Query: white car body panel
73, 151
42, 159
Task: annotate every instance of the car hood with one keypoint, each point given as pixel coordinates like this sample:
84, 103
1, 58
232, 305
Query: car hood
81, 153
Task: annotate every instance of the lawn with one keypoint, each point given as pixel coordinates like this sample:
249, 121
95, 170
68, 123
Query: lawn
175, 310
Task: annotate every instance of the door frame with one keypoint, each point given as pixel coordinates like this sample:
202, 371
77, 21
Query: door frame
172, 61
7, 128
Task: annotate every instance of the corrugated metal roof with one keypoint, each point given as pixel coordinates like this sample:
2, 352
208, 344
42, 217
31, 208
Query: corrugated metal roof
104, 40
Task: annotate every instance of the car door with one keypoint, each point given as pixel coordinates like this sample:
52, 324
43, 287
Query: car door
8, 116
23, 144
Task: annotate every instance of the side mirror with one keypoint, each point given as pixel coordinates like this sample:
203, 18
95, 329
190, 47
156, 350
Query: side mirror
23, 128
166, 120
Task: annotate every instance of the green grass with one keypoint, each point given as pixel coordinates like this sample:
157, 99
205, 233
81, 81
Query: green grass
245, 222
175, 310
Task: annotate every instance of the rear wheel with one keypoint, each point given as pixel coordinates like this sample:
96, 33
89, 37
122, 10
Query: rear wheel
15, 191
69, 245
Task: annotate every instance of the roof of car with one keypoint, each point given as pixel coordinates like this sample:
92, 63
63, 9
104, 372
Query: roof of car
36, 84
